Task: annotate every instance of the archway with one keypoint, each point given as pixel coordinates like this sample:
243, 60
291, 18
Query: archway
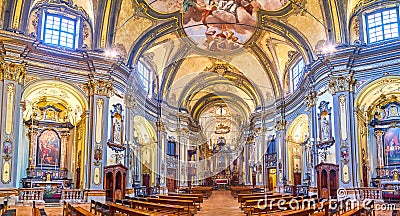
53, 117
298, 133
146, 136
378, 126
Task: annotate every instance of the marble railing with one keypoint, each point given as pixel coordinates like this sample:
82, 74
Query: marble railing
25, 194
72, 195
369, 193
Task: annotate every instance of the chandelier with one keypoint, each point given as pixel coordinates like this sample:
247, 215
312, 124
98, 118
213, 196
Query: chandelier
222, 128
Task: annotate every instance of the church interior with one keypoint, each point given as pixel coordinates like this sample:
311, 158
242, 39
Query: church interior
199, 107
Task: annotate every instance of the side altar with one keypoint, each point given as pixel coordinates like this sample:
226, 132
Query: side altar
48, 132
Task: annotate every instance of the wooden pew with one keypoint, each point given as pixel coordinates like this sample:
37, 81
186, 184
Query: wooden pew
194, 199
200, 196
301, 212
353, 212
242, 198
189, 205
136, 204
235, 190
206, 191
77, 211
275, 205
114, 208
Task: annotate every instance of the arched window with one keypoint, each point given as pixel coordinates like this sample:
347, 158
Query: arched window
145, 76
296, 73
382, 24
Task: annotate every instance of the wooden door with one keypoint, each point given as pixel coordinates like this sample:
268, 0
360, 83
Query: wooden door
365, 176
297, 179
78, 178
146, 183
171, 182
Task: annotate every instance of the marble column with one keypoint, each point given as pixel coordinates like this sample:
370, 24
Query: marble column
347, 149
100, 91
12, 76
379, 143
282, 153
130, 105
312, 159
64, 146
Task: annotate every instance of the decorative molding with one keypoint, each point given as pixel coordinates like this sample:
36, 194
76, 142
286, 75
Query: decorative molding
310, 100
100, 87
280, 125
341, 83
12, 71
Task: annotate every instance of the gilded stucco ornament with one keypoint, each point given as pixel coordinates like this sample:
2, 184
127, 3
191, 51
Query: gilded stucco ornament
12, 71
100, 87
310, 99
341, 83
280, 125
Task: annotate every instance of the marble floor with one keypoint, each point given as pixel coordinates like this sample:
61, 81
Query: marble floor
220, 203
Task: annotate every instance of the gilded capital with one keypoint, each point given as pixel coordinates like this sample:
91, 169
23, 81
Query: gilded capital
100, 87
12, 71
280, 125
341, 83
310, 99
130, 100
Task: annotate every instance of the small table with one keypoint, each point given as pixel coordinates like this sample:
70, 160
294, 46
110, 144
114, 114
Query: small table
221, 182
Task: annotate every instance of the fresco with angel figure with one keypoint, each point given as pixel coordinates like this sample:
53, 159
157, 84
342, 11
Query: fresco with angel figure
219, 25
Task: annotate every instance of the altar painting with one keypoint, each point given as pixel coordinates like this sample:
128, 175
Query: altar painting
48, 149
392, 146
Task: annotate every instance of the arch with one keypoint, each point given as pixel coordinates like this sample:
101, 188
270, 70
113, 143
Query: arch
144, 130
370, 92
298, 130
56, 91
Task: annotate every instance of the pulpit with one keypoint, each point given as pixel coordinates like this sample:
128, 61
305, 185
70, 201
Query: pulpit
115, 181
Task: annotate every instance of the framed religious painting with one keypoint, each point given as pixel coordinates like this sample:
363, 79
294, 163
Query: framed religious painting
391, 146
48, 149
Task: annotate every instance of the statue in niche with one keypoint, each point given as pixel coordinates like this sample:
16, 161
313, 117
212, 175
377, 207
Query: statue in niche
325, 129
116, 140
325, 122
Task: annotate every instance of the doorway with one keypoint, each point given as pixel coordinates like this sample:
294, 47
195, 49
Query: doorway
171, 179
272, 179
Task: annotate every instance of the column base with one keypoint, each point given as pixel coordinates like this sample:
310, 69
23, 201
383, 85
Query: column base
96, 195
11, 194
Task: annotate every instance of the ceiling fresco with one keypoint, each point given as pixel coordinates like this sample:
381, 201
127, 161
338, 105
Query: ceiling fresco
218, 25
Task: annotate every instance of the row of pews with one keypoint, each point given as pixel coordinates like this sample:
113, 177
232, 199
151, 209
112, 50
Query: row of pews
274, 204
171, 204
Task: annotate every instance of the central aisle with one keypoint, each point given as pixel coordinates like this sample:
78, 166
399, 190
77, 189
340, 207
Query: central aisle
220, 203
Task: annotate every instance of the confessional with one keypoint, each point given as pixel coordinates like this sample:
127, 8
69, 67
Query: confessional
327, 180
115, 181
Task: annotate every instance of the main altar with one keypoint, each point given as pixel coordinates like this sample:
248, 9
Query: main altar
49, 130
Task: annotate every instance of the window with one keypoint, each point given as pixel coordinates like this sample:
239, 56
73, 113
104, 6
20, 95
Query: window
297, 73
144, 74
171, 148
60, 31
382, 25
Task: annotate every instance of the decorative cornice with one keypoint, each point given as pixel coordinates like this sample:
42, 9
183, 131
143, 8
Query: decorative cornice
341, 84
12, 71
100, 87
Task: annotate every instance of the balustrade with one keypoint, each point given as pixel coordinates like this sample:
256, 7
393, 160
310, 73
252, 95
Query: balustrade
25, 194
72, 195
